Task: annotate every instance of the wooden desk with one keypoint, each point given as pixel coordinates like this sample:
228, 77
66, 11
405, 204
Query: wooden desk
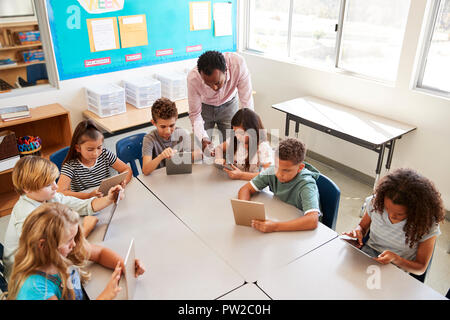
202, 201
133, 118
337, 271
178, 264
361, 128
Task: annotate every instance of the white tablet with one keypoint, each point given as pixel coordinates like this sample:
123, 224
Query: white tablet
245, 211
110, 182
130, 271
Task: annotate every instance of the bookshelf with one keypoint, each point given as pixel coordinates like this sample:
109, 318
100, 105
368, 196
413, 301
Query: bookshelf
52, 124
11, 48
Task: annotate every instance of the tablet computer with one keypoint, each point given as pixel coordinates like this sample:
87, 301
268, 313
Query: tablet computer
179, 163
222, 166
113, 210
352, 242
110, 182
245, 211
130, 271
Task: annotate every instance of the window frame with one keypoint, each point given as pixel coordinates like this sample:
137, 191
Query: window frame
288, 58
431, 19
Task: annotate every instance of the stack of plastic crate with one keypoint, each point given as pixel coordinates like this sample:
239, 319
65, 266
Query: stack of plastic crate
173, 85
106, 99
142, 92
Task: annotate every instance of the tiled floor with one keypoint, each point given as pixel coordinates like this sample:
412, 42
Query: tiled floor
353, 194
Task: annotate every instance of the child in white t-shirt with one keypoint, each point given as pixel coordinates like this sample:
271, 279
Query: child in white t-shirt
403, 218
247, 150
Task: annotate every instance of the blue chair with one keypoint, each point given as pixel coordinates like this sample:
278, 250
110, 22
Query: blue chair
330, 195
59, 156
36, 72
129, 149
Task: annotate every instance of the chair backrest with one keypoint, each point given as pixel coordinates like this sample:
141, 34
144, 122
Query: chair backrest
330, 195
129, 149
59, 156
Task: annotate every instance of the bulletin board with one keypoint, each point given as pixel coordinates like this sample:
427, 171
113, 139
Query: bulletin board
168, 30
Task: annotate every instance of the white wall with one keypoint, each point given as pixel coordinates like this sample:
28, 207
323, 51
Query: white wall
425, 149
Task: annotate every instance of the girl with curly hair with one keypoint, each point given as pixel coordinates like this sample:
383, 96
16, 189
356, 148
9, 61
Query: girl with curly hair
403, 217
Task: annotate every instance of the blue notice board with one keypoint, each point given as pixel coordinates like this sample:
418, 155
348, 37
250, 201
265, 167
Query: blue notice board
168, 31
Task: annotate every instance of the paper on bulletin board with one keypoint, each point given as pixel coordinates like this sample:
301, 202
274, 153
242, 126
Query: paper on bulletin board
103, 34
200, 15
223, 19
133, 31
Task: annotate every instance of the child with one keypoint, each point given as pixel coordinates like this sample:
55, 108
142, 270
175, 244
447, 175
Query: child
403, 218
162, 142
291, 182
251, 149
51, 256
87, 163
34, 179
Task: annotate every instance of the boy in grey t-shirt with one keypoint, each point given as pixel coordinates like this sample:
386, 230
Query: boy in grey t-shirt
164, 141
291, 182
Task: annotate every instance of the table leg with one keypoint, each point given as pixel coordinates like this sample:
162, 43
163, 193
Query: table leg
286, 130
297, 125
390, 153
378, 170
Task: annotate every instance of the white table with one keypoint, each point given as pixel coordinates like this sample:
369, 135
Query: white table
179, 265
248, 291
202, 201
361, 128
338, 271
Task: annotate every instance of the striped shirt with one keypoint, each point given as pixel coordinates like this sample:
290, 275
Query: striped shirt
385, 235
82, 177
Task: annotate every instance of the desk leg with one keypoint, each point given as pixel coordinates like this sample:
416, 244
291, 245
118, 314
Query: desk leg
378, 170
286, 130
379, 164
390, 153
297, 125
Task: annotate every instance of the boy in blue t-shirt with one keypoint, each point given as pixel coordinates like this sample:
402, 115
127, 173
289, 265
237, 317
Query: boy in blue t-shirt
291, 182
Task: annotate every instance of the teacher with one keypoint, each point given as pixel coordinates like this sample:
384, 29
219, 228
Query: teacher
213, 87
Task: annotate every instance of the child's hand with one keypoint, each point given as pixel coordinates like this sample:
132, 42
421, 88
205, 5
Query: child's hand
168, 153
357, 233
139, 268
234, 174
114, 192
264, 225
95, 193
386, 257
112, 288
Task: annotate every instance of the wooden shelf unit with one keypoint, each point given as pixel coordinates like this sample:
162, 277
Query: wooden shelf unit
11, 48
52, 124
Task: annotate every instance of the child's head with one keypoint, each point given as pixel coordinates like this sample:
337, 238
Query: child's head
51, 237
87, 142
164, 117
247, 123
405, 194
35, 176
289, 159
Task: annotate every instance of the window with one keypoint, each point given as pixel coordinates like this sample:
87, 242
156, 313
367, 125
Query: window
358, 36
268, 26
435, 64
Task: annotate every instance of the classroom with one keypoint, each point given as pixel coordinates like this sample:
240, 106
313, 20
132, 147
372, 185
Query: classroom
117, 121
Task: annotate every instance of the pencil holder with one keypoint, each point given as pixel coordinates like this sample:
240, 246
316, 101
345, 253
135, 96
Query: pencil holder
29, 145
